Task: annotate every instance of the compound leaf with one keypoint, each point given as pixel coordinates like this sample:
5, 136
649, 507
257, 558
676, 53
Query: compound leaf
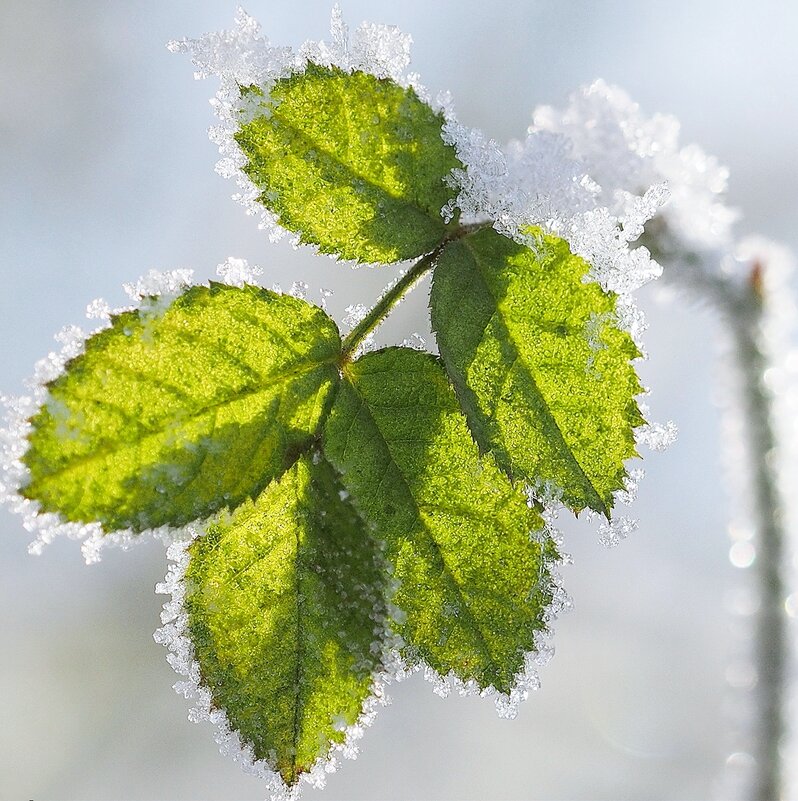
285, 605
542, 370
473, 583
183, 407
352, 163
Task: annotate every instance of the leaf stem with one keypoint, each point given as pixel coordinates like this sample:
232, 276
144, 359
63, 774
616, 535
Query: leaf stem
395, 292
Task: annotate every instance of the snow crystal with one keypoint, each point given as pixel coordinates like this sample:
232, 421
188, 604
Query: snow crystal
324, 296
628, 494
627, 152
657, 436
526, 680
354, 314
237, 272
613, 531
630, 317
71, 338
537, 183
415, 341
382, 50
163, 284
98, 309
299, 289
243, 53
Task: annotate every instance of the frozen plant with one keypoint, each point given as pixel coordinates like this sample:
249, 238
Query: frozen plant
342, 516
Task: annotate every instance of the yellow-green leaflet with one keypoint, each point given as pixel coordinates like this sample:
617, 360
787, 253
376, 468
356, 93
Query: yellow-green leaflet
542, 370
473, 581
183, 407
351, 163
286, 611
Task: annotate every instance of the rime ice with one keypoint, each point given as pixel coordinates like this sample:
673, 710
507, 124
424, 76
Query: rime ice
237, 272
627, 152
165, 285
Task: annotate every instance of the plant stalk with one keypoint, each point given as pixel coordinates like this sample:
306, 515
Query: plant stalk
393, 294
771, 640
382, 308
743, 310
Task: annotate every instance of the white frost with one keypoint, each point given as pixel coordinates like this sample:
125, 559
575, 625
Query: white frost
625, 151
237, 272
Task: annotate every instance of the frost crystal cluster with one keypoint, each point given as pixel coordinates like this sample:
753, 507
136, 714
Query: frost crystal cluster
340, 515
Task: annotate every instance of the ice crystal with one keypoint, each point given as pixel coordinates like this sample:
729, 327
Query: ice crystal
299, 289
613, 531
628, 494
625, 151
98, 309
237, 272
163, 284
657, 436
536, 182
324, 296
415, 341
354, 313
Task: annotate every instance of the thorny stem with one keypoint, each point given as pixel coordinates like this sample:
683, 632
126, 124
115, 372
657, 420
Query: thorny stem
394, 293
743, 311
771, 636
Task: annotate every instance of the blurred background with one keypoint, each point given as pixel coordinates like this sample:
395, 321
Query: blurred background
106, 172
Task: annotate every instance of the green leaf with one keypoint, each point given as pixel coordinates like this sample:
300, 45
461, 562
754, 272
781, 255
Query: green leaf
541, 368
183, 408
285, 612
352, 163
473, 584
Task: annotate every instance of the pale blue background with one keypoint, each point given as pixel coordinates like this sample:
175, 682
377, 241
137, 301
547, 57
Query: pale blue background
106, 171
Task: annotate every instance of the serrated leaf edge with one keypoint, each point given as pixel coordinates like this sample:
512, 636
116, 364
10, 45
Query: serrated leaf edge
527, 678
549, 491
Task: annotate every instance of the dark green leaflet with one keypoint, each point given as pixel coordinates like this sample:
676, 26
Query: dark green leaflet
473, 581
542, 370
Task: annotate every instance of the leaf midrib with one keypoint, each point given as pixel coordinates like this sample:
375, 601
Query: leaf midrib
393, 195
298, 650
423, 526
168, 423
